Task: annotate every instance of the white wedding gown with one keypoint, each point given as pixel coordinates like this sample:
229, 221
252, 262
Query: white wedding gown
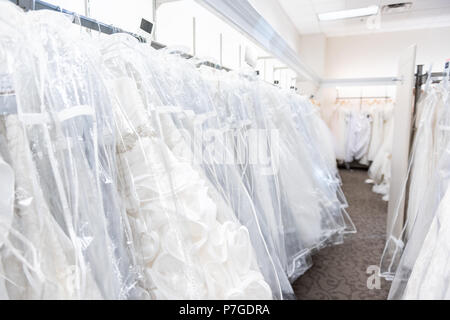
422, 272
380, 169
430, 277
188, 253
6, 215
38, 258
104, 201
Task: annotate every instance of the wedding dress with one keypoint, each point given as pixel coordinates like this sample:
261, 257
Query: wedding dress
358, 136
36, 257
339, 129
327, 148
380, 169
429, 278
98, 147
180, 262
263, 180
247, 188
319, 206
376, 141
425, 250
6, 215
41, 247
67, 130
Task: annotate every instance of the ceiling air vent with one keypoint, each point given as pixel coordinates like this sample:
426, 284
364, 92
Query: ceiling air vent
396, 7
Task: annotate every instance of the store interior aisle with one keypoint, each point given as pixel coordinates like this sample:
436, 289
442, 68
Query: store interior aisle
340, 272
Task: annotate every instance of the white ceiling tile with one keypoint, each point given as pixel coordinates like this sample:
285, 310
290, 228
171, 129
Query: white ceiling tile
352, 4
430, 4
328, 7
424, 13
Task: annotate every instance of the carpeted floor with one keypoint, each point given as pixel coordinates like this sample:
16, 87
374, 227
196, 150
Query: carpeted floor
340, 272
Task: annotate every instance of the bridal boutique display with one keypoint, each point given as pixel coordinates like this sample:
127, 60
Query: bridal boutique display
363, 131
130, 173
418, 259
358, 126
351, 127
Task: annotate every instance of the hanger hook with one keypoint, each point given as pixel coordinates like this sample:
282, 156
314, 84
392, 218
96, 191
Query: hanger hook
76, 18
99, 28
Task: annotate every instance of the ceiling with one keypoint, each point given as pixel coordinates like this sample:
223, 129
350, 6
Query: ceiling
422, 14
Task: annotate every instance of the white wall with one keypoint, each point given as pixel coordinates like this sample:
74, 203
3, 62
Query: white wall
274, 14
313, 50
310, 48
377, 54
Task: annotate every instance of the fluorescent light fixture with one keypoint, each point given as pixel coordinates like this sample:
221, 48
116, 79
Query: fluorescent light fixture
345, 14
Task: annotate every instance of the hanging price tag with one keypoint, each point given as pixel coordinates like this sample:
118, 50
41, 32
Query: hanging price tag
147, 26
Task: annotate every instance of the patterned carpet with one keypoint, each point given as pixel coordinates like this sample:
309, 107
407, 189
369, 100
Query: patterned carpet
339, 272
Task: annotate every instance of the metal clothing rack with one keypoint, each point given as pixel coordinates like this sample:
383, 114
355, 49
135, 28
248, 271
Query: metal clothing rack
78, 19
361, 98
421, 79
93, 24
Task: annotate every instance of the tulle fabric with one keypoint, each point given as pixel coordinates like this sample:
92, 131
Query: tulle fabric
134, 175
380, 169
70, 240
214, 256
420, 268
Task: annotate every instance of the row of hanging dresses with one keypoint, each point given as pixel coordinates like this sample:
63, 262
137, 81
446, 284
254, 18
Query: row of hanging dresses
351, 129
418, 259
363, 131
358, 127
128, 173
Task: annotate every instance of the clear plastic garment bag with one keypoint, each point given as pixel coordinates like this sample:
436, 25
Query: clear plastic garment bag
421, 268
131, 173
69, 241
317, 139
318, 214
213, 150
204, 252
258, 160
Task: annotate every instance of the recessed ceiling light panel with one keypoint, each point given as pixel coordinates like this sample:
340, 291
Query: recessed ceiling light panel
346, 14
396, 7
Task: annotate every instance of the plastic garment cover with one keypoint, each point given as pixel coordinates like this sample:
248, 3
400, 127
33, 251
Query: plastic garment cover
65, 243
320, 183
377, 113
213, 140
6, 213
238, 103
338, 127
214, 129
358, 135
359, 129
422, 270
192, 246
191, 104
320, 143
380, 169
136, 176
